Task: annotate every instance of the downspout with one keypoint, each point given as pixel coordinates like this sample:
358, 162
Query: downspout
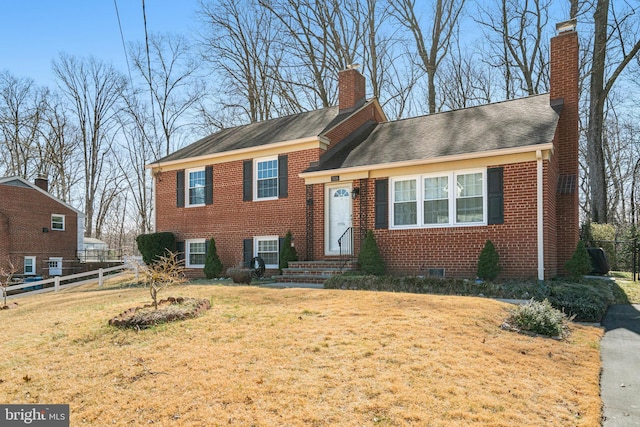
540, 215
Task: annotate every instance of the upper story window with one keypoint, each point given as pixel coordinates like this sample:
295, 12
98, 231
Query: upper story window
57, 222
195, 187
266, 178
431, 200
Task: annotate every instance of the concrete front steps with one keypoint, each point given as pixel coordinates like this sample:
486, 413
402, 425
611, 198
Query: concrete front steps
313, 271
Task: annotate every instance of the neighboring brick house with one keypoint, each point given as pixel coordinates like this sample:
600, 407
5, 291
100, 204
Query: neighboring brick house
38, 232
433, 188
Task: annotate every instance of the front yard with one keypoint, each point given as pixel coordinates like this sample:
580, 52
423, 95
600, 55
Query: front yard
270, 357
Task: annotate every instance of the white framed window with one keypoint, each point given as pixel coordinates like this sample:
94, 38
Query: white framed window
57, 222
29, 266
266, 247
405, 206
266, 182
195, 187
470, 198
436, 200
446, 199
196, 253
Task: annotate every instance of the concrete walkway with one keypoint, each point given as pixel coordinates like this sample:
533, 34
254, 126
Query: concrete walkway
620, 379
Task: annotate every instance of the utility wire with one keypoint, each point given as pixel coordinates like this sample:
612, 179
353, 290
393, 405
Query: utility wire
146, 42
124, 46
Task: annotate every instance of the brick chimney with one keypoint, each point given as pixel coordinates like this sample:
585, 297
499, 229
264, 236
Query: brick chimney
564, 98
42, 183
351, 89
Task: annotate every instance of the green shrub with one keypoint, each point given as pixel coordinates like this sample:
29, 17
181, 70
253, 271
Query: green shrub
585, 302
538, 318
369, 259
153, 246
287, 252
488, 262
212, 264
580, 263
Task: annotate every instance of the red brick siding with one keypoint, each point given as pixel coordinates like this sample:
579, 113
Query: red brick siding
457, 248
351, 88
352, 123
229, 220
26, 212
564, 84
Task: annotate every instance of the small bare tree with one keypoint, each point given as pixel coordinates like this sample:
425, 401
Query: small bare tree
167, 271
7, 271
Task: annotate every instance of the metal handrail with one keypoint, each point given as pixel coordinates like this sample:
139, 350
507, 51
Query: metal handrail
345, 243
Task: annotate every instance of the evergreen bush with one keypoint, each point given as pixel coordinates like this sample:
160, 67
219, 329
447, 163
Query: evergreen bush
586, 302
580, 263
538, 318
287, 252
155, 245
488, 262
212, 264
369, 258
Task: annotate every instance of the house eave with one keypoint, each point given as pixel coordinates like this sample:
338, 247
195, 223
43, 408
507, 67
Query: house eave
281, 147
366, 171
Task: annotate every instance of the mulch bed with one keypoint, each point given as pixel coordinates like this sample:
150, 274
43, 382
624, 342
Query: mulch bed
169, 310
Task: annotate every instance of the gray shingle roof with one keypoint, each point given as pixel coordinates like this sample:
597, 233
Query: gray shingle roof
297, 126
509, 124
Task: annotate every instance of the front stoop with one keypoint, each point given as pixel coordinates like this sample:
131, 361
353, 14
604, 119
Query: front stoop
313, 271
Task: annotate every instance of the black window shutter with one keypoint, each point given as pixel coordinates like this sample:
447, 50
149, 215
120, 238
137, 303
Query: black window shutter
247, 251
283, 176
180, 249
382, 204
495, 196
180, 188
208, 185
247, 180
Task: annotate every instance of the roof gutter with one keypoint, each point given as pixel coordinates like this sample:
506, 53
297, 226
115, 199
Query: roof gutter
249, 150
443, 159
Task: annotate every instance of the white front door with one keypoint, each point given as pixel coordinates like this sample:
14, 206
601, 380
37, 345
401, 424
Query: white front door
338, 217
55, 266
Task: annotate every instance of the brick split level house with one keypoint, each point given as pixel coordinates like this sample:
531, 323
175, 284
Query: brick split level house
432, 189
37, 230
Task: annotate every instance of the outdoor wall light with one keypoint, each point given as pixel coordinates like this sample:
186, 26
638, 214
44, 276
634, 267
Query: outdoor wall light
355, 193
45, 230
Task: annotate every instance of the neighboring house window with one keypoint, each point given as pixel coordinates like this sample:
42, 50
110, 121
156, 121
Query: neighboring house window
267, 249
57, 222
195, 187
441, 204
266, 178
196, 253
30, 265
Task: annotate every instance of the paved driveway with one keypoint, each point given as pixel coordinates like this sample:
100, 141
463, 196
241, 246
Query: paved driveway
620, 352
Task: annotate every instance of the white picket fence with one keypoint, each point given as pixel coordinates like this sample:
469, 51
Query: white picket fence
65, 282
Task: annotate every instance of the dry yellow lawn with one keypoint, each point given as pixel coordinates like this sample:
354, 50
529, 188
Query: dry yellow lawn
296, 357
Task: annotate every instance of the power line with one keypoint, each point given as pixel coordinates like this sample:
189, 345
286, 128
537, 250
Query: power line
124, 47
